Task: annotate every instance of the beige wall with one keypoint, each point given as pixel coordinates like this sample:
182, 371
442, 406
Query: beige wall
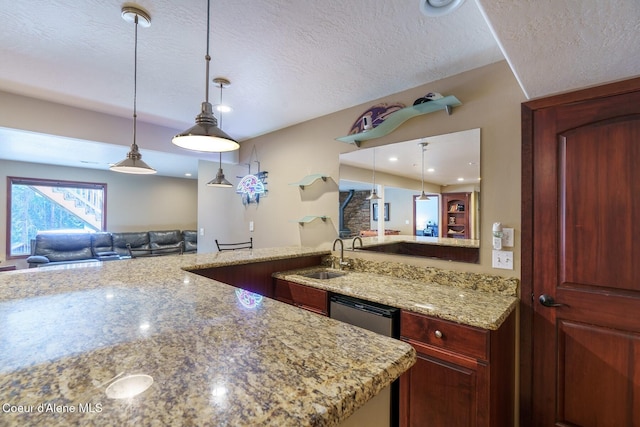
134, 202
491, 101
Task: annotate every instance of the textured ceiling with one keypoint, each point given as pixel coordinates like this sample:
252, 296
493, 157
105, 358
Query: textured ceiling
288, 60
293, 60
559, 45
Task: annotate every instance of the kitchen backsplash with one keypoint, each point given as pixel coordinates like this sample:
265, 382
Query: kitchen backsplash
465, 280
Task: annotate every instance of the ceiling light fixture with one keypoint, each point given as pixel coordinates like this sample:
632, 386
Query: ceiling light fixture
220, 181
205, 135
374, 192
423, 196
221, 82
133, 163
434, 8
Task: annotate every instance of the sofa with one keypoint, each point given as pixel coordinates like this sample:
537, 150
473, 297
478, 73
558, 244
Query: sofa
66, 248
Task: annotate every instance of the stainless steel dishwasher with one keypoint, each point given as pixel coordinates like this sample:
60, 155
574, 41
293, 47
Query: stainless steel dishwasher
382, 409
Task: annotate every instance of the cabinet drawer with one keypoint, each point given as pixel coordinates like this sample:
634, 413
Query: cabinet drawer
447, 335
303, 296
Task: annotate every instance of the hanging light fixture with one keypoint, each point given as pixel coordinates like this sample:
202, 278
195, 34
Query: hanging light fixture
423, 196
205, 135
374, 191
220, 181
133, 163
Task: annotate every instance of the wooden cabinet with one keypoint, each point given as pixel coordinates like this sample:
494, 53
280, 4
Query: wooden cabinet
312, 299
456, 209
464, 376
256, 277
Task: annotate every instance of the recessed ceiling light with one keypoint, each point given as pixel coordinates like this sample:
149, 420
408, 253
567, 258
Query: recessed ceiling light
393, 159
431, 170
439, 7
187, 174
223, 108
460, 179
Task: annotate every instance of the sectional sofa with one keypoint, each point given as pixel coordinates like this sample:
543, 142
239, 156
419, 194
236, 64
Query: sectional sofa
65, 248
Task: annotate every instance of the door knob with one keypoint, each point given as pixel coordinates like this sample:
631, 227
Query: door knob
548, 301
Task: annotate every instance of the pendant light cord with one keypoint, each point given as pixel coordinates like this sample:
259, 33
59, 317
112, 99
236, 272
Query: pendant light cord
374, 170
135, 78
220, 111
207, 57
422, 168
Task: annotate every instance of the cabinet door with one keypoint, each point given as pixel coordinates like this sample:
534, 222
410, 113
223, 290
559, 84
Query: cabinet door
302, 296
442, 391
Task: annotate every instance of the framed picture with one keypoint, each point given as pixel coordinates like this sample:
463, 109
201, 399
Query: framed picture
386, 211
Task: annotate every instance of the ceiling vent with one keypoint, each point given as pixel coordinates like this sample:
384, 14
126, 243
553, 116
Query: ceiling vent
439, 7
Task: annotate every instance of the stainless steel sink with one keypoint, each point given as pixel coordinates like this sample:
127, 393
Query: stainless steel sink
324, 275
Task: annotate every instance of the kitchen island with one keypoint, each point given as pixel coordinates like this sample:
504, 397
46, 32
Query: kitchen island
77, 340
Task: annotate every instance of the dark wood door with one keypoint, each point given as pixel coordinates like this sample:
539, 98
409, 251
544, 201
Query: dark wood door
581, 259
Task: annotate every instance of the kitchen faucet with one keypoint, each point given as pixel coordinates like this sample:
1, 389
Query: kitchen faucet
353, 242
342, 261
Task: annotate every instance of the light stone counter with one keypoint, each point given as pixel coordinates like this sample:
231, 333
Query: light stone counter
475, 300
67, 334
395, 238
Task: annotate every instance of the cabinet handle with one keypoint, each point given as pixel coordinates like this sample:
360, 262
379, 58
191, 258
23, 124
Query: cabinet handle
438, 334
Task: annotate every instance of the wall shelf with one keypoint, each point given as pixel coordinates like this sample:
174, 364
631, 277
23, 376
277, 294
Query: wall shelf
310, 179
397, 118
307, 219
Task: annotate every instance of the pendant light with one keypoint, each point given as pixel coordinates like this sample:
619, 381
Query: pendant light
205, 135
374, 191
220, 181
133, 163
423, 196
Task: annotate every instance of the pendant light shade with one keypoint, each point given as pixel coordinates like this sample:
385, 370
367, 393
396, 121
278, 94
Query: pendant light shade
219, 181
205, 136
374, 192
423, 196
133, 164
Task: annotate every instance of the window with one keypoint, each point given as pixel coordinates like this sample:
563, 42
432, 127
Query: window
40, 205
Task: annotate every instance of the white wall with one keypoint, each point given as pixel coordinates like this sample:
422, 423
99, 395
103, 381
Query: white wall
134, 202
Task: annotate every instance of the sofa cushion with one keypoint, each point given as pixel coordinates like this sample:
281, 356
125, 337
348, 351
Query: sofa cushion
35, 260
102, 244
139, 241
165, 241
64, 246
190, 240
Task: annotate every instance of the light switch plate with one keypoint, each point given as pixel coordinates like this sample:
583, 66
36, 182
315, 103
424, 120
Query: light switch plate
502, 259
507, 237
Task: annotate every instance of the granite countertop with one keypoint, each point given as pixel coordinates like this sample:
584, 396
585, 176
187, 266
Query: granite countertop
217, 356
478, 308
395, 238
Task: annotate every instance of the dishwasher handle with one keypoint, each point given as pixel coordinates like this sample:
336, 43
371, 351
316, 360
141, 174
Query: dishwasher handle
369, 307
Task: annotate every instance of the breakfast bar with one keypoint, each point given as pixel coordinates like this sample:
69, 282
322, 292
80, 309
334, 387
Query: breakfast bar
145, 341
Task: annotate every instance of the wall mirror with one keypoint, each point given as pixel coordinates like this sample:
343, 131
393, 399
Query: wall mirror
445, 167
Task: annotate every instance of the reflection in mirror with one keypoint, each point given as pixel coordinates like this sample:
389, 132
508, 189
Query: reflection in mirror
445, 226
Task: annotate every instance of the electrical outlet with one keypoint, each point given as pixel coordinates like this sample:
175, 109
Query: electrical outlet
502, 259
202, 231
507, 237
